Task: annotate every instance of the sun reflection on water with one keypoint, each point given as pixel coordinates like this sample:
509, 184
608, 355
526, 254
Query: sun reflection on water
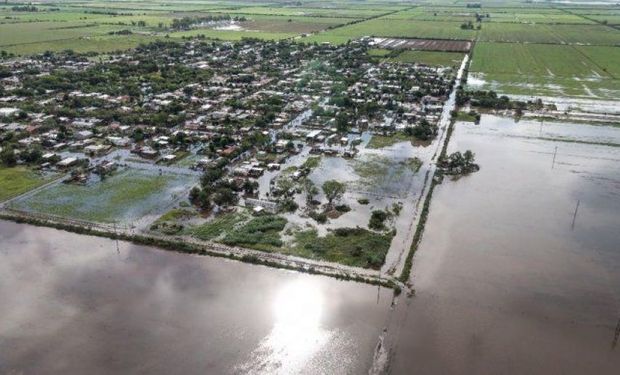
296, 335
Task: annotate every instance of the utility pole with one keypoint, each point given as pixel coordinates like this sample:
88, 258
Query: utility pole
554, 154
118, 250
540, 129
575, 215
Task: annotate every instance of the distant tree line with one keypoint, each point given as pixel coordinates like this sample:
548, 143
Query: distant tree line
186, 23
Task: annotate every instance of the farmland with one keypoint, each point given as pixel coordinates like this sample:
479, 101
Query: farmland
548, 69
18, 180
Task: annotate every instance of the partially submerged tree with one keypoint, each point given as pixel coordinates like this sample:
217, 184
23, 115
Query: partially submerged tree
333, 190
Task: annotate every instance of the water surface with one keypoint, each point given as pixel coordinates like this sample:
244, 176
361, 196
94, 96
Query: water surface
74, 304
505, 283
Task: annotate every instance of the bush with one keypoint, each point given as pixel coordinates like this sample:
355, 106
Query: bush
319, 217
343, 208
377, 219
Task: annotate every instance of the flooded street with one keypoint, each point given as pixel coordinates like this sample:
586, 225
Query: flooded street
506, 281
74, 304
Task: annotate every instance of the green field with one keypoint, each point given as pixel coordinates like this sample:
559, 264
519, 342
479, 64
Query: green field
125, 196
394, 28
556, 34
547, 69
18, 180
430, 58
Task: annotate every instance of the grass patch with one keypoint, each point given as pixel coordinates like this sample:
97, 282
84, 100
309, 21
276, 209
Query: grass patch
218, 226
18, 180
312, 162
262, 233
381, 141
351, 246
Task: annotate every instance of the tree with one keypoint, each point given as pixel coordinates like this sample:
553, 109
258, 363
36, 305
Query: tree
333, 190
7, 157
310, 189
224, 197
468, 157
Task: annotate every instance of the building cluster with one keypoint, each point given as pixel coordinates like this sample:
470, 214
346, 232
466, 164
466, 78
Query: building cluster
241, 107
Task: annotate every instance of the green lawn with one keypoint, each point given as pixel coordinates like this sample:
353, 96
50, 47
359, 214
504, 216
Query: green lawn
17, 180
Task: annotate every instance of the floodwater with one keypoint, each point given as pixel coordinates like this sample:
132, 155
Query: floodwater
505, 281
73, 304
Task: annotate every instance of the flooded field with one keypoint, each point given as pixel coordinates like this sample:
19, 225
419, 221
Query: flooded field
511, 276
83, 305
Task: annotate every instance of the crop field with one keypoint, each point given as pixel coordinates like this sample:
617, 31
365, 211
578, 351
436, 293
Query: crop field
383, 27
546, 69
555, 34
33, 32
101, 44
125, 196
430, 58
18, 180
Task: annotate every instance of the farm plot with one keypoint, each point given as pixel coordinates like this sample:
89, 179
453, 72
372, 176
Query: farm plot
310, 12
100, 44
556, 34
535, 69
18, 180
395, 28
430, 58
33, 32
125, 196
424, 44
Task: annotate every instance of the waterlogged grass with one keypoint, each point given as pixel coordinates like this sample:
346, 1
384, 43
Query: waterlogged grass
351, 246
17, 180
175, 215
312, 162
381, 141
122, 197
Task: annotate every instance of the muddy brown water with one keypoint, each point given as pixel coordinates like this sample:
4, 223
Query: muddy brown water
504, 283
73, 304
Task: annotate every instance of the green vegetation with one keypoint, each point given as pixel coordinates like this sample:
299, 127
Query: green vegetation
125, 196
394, 28
312, 162
262, 233
351, 246
17, 180
546, 69
333, 190
381, 141
217, 227
436, 58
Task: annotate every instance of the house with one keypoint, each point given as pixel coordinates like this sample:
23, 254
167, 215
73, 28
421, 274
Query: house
96, 150
67, 163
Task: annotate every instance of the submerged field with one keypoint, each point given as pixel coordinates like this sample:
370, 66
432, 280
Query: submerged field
124, 197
